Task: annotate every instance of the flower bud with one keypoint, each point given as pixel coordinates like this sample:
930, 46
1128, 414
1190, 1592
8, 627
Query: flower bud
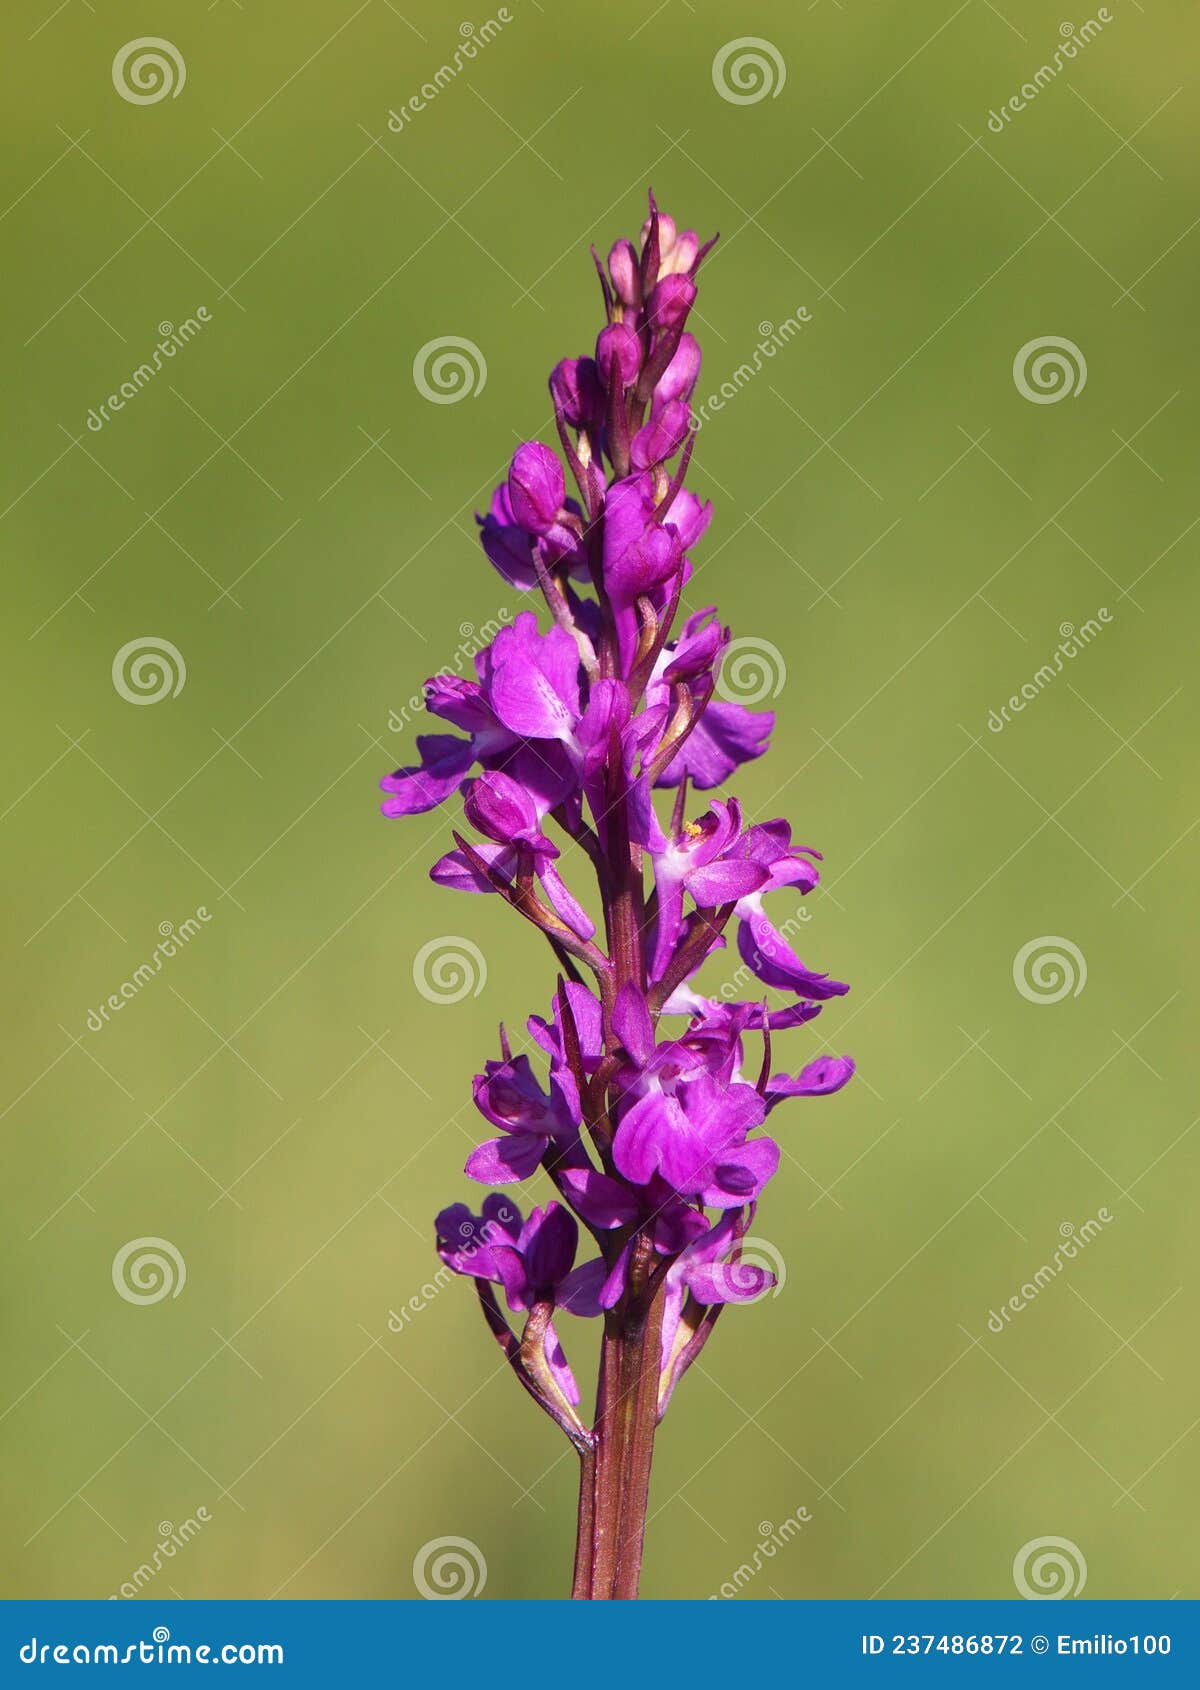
501, 809
679, 379
662, 437
618, 355
668, 306
576, 392
702, 641
536, 487
623, 268
639, 553
666, 234
677, 248
688, 517
682, 255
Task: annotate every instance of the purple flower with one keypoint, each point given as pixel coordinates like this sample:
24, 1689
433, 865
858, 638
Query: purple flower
726, 735
536, 488
534, 681
532, 1260
818, 1079
444, 762
528, 692
705, 1272
464, 1240
565, 740
507, 1094
618, 355
662, 436
587, 1027
507, 813
507, 545
705, 859
578, 393
695, 1137
532, 522
713, 1017
677, 249
623, 268
643, 548
767, 954
668, 306
639, 553
678, 380
606, 1204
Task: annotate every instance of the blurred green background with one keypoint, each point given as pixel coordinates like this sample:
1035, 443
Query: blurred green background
906, 530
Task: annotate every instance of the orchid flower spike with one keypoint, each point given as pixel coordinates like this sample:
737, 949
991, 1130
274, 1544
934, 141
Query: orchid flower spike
579, 745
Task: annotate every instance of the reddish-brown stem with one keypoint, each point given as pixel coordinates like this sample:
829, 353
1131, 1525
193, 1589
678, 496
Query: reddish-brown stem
581, 1581
614, 1480
614, 1486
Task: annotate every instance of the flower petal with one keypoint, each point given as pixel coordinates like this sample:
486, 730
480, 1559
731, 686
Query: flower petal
502, 1161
